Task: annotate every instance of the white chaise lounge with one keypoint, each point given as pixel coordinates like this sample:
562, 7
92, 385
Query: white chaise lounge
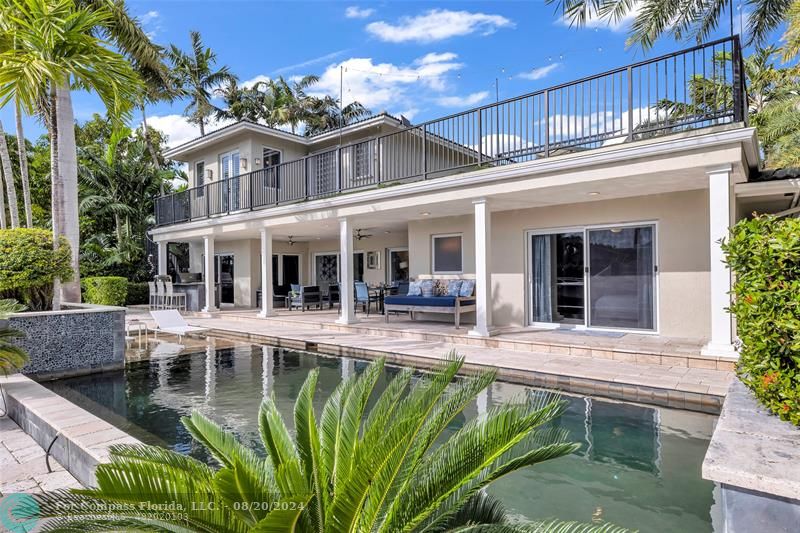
171, 321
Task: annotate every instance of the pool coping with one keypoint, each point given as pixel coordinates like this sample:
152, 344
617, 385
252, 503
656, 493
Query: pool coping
663, 397
752, 449
75, 437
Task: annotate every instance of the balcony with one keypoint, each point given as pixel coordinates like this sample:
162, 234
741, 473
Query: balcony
687, 90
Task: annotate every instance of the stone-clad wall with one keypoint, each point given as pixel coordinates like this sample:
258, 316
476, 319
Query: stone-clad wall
79, 339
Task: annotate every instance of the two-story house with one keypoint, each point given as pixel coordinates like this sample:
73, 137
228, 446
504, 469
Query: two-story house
597, 204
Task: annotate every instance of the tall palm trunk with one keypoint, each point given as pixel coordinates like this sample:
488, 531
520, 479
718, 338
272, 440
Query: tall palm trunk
68, 170
202, 128
5, 158
55, 189
23, 167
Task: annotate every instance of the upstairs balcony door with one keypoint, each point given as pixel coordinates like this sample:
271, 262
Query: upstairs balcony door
229, 172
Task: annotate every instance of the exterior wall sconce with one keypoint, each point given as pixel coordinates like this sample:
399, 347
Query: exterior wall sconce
257, 162
209, 173
244, 163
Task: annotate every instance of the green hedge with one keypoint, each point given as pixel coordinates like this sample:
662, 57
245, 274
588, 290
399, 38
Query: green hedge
138, 293
29, 265
105, 290
764, 254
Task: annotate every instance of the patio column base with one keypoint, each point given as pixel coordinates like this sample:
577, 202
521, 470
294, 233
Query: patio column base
720, 349
263, 314
481, 332
344, 321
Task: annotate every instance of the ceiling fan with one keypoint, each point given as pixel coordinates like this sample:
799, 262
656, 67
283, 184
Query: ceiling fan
360, 235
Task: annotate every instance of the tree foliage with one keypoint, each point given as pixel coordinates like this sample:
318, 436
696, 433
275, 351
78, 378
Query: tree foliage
29, 264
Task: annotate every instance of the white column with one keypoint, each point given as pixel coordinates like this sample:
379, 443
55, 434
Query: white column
162, 258
720, 196
208, 276
266, 273
346, 303
483, 274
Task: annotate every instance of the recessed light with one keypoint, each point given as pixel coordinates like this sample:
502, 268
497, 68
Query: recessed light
425, 213
593, 193
387, 232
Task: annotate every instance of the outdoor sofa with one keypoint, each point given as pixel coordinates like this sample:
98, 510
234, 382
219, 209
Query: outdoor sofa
434, 297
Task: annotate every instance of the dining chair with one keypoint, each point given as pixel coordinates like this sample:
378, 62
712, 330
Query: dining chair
161, 295
364, 297
153, 301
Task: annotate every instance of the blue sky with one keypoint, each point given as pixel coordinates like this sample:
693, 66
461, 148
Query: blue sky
420, 59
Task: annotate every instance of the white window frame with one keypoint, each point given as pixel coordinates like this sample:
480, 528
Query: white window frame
433, 253
338, 264
264, 148
388, 267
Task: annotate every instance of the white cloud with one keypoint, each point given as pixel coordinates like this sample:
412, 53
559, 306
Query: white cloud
382, 86
355, 12
437, 25
252, 81
540, 72
314, 61
149, 17
178, 129
463, 101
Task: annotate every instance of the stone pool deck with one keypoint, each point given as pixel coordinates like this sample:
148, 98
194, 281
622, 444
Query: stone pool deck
23, 467
677, 385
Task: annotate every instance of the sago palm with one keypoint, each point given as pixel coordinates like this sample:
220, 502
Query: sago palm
386, 468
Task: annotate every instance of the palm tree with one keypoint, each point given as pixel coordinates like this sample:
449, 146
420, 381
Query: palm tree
197, 77
387, 469
11, 190
692, 19
324, 114
292, 102
22, 152
46, 47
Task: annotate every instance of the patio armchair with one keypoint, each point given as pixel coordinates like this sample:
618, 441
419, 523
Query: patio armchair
333, 295
364, 298
305, 296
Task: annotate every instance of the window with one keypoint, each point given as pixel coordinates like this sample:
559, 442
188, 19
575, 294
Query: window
363, 157
200, 177
447, 254
272, 158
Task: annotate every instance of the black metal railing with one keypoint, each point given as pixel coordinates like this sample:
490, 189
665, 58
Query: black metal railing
690, 89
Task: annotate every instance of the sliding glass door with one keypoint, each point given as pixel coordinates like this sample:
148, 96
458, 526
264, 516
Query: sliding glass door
622, 277
595, 277
557, 286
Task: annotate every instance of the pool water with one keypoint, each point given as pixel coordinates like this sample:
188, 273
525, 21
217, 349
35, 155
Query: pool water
638, 466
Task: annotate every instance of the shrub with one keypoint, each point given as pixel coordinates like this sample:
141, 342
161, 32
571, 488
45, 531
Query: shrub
106, 290
138, 293
12, 357
764, 254
29, 265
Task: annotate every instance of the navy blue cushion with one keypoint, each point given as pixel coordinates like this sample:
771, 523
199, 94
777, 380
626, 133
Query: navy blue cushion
429, 301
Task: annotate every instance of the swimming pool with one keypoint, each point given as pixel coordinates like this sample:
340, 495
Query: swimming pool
638, 466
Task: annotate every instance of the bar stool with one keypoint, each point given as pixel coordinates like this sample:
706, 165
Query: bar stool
151, 285
161, 295
175, 300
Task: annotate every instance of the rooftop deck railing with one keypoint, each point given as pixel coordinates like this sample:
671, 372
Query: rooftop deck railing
690, 89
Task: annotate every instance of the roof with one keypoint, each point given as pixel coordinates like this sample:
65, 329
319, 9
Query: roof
776, 174
249, 125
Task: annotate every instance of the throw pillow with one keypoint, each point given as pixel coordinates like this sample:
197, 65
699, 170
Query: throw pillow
467, 287
454, 287
427, 287
414, 288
